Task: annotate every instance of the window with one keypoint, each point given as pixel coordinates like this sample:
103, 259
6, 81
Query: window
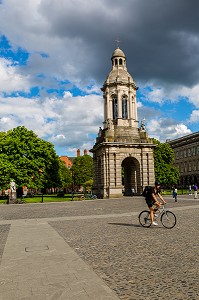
115, 113
120, 62
185, 167
185, 153
124, 107
189, 152
194, 150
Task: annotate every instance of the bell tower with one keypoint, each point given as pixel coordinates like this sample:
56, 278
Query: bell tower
123, 153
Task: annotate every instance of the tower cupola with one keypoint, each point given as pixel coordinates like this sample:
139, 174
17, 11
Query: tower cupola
118, 59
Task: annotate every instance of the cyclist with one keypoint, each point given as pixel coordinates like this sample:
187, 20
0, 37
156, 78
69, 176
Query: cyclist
151, 199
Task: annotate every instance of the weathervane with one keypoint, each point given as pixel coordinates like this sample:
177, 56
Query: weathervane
117, 42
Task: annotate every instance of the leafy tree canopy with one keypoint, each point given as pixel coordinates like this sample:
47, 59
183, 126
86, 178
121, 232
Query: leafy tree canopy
28, 160
82, 169
165, 171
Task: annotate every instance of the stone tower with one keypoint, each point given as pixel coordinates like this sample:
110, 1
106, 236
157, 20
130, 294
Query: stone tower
123, 154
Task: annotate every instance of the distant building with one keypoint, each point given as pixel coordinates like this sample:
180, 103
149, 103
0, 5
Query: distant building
69, 160
186, 151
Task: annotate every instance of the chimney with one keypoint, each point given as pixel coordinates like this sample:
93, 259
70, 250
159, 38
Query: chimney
78, 152
85, 151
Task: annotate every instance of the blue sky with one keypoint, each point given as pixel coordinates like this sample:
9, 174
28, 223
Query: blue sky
54, 58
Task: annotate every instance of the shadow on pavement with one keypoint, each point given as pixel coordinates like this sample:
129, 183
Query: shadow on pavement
125, 224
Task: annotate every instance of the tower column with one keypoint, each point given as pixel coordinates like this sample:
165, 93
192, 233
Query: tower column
134, 107
130, 108
105, 107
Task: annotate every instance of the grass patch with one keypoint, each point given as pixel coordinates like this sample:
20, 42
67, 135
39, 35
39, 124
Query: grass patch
180, 192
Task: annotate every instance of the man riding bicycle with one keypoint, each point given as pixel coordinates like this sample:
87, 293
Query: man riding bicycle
151, 199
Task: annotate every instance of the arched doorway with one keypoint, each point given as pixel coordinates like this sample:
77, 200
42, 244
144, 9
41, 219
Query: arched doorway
130, 175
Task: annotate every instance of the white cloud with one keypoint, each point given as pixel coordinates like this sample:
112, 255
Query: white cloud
70, 121
11, 78
194, 118
171, 94
164, 129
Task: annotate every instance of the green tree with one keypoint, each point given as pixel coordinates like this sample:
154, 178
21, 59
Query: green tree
82, 169
165, 171
28, 160
88, 185
66, 176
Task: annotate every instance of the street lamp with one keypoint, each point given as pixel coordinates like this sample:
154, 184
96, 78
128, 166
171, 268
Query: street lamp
72, 185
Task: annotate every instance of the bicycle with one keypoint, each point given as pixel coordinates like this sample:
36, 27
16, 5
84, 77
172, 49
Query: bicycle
167, 218
91, 196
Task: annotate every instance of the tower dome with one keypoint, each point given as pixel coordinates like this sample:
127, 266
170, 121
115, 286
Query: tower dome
119, 71
118, 53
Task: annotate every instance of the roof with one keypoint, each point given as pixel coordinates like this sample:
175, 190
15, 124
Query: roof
118, 53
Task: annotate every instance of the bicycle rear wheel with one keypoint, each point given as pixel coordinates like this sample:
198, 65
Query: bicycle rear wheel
144, 218
168, 219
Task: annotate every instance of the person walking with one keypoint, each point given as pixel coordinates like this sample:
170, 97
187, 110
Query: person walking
195, 188
190, 190
175, 193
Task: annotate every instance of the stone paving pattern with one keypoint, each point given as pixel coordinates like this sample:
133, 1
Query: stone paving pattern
135, 262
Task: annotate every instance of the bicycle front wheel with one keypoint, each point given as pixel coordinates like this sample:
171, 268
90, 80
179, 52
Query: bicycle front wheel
168, 219
144, 218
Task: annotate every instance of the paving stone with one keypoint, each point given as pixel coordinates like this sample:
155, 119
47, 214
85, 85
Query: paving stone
134, 262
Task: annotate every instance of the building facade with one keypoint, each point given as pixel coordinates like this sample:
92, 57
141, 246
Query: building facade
123, 153
186, 150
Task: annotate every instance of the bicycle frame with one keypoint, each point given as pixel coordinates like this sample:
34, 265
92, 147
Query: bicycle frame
160, 210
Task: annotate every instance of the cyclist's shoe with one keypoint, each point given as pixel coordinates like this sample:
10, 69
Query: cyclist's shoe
154, 223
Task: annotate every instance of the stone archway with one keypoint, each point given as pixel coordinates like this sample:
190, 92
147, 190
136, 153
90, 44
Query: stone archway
131, 175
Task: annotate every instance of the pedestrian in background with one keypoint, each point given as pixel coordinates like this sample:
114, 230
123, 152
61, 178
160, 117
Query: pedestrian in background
195, 188
175, 193
190, 190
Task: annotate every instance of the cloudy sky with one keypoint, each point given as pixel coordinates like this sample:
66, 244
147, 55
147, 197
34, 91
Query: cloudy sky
56, 54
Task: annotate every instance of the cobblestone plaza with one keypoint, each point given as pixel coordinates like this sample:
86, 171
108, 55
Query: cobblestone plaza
134, 262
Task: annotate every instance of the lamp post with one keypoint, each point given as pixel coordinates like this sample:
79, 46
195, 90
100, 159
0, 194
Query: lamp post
72, 185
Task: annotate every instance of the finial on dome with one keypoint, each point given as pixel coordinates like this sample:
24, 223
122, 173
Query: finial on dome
117, 43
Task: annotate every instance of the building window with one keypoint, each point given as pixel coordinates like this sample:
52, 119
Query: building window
180, 153
120, 62
198, 150
116, 61
194, 150
115, 113
189, 152
124, 107
185, 153
177, 155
